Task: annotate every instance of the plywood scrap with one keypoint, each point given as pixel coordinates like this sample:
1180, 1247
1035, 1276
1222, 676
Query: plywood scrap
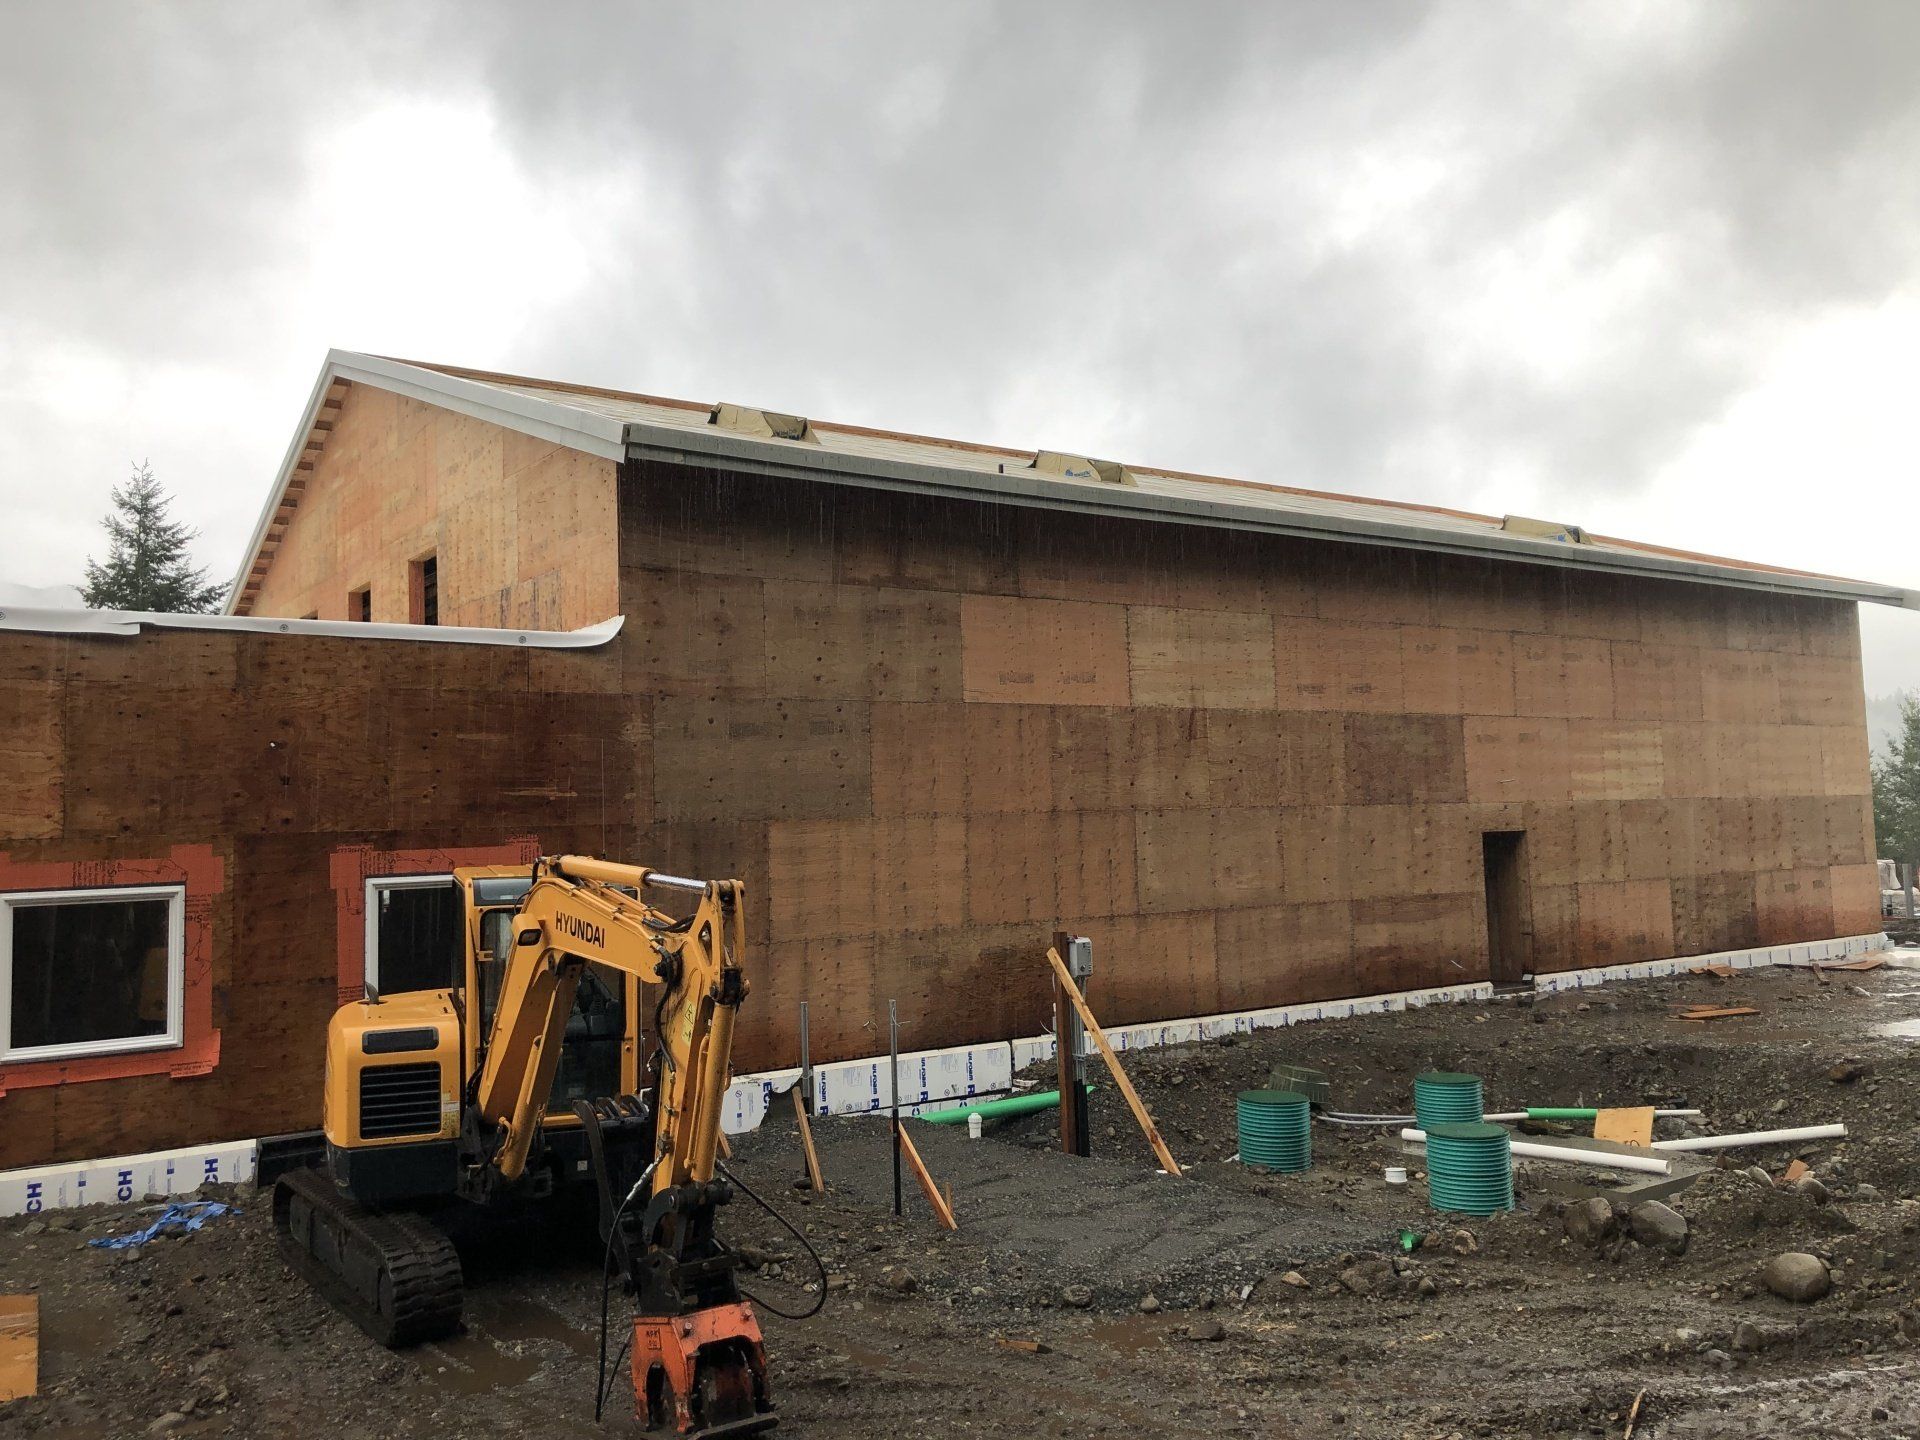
1631, 1125
1134, 1103
942, 1211
19, 1346
1724, 972
1872, 962
1717, 1012
1798, 1170
1024, 1347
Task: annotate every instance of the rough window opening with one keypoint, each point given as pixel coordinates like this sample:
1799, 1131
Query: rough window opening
360, 603
424, 598
413, 933
91, 972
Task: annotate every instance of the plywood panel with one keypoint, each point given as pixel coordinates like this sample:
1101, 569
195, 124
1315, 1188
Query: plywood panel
856, 643
1849, 830
1614, 760
1401, 759
1516, 760
1844, 768
919, 542
673, 518
1412, 942
1562, 676
1656, 682
1375, 585
1284, 954
1626, 922
1599, 841
1200, 657
1793, 905
1456, 672
692, 634
855, 877
1041, 868
1313, 849
1555, 915
1010, 758
1739, 686
1820, 690
1147, 967
920, 758
32, 760
1660, 838
1713, 913
1854, 891
1327, 665
761, 759
1053, 652
1209, 859
1290, 757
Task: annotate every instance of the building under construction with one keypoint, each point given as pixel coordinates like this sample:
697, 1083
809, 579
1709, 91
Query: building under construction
932, 701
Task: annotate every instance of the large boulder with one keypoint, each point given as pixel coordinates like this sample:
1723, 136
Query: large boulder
1797, 1276
1658, 1226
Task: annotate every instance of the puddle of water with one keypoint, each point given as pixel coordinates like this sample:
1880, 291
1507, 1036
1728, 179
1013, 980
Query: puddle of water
506, 1342
1899, 1029
70, 1332
1130, 1336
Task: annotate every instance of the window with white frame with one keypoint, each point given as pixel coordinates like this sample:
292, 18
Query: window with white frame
91, 972
413, 933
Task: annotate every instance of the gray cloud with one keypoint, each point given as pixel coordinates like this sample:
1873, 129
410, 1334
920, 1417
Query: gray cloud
1448, 251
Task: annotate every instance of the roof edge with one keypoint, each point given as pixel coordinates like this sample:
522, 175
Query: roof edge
562, 424
132, 622
791, 461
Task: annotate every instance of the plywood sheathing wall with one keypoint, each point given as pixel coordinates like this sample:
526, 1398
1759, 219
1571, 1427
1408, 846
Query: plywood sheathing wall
522, 529
1254, 771
275, 751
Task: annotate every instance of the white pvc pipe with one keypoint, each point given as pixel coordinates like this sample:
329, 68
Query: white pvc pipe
1599, 1159
1508, 1117
1754, 1137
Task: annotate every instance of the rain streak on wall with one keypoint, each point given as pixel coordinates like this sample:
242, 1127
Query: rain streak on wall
1253, 770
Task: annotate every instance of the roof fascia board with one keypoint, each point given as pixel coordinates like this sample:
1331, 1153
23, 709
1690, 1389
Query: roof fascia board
772, 458
131, 622
543, 419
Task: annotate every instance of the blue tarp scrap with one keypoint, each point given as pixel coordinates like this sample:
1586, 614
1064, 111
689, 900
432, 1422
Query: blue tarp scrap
187, 1215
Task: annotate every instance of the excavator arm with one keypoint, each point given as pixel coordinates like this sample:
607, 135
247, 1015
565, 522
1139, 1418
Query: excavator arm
698, 1360
582, 912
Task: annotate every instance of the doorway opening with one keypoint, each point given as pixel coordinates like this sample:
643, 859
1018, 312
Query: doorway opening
1509, 936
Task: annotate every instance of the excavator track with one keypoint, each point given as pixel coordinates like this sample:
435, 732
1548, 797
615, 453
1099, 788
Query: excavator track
394, 1275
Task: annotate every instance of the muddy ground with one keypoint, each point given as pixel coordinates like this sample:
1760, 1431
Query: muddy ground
1159, 1306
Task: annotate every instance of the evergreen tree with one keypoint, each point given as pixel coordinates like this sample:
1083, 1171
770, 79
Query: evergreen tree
1896, 789
148, 567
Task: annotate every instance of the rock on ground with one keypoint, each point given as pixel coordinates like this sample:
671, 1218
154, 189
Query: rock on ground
1797, 1276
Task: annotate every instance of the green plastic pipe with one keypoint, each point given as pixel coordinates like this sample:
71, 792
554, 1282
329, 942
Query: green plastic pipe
1011, 1105
1581, 1112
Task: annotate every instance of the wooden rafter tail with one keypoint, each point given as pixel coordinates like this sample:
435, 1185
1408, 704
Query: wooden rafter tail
814, 1177
942, 1211
1132, 1097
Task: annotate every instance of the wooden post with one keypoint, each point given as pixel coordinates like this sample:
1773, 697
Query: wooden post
806, 1142
893, 1078
1134, 1103
942, 1211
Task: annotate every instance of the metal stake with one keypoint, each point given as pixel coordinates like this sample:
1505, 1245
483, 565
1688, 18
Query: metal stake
806, 1062
1070, 1046
893, 1070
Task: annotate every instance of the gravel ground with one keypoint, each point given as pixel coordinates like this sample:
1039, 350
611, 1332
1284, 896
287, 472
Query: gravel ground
1229, 1302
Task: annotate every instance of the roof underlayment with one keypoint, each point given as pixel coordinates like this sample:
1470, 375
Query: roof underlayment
619, 426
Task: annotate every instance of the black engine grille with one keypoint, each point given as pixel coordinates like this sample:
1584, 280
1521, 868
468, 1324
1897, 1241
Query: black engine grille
399, 1100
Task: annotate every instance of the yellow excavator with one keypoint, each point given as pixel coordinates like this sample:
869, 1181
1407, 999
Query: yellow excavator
528, 1079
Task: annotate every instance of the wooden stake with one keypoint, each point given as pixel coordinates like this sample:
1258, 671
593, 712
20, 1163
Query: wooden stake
942, 1211
806, 1142
726, 1150
1633, 1415
19, 1346
1167, 1162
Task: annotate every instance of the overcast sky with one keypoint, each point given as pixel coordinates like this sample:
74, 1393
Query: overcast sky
1650, 268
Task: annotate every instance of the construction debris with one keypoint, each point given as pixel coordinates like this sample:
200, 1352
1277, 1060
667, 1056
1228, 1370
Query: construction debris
1717, 1012
1099, 1038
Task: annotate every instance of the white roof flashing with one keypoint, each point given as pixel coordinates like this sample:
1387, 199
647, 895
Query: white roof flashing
131, 622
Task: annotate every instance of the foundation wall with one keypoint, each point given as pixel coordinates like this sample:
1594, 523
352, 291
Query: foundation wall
521, 529
1256, 771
